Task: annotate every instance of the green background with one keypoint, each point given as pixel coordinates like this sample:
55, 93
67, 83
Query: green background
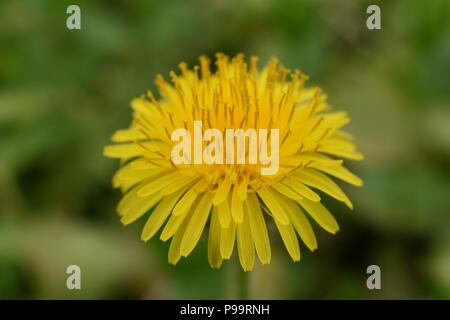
63, 93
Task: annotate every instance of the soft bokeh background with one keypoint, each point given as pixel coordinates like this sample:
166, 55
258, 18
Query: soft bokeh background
63, 93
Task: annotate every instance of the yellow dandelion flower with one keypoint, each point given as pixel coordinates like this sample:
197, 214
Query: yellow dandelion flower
230, 190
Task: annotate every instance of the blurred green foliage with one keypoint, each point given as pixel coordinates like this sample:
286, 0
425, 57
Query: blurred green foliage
63, 93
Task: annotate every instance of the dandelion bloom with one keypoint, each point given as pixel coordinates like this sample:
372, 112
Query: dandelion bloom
234, 199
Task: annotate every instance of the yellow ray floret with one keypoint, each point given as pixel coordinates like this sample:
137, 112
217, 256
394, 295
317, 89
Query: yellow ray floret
233, 202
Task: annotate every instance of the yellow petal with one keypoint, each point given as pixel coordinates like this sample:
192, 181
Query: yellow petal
178, 184
222, 191
214, 256
201, 186
301, 224
258, 228
160, 214
246, 249
128, 199
339, 134
289, 238
342, 152
160, 183
320, 181
336, 119
321, 214
175, 221
128, 176
318, 158
227, 238
138, 207
237, 210
185, 203
174, 249
127, 150
301, 189
173, 225
127, 135
142, 163
273, 205
242, 188
286, 191
195, 227
340, 172
225, 213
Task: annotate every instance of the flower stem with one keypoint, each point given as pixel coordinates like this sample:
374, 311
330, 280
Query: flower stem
243, 284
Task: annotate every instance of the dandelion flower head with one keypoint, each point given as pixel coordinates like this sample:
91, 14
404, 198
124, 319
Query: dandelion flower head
233, 204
